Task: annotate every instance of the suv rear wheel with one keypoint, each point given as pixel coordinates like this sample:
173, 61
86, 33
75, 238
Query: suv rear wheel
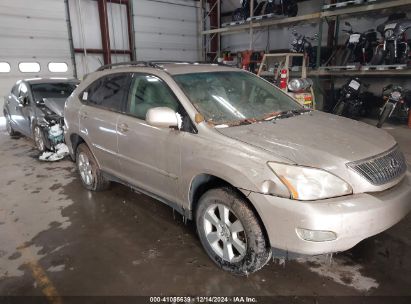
91, 176
230, 232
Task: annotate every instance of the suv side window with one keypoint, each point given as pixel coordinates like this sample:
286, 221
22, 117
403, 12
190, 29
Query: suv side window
108, 92
148, 91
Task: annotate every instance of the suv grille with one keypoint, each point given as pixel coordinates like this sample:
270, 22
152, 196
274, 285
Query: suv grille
381, 169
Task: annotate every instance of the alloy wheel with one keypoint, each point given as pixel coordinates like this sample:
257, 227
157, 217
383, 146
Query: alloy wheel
85, 169
38, 138
8, 125
225, 233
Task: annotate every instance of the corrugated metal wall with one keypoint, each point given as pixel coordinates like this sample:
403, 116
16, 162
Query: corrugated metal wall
36, 31
166, 29
85, 24
32, 31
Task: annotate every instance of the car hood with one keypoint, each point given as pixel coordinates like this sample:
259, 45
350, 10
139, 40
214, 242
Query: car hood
56, 105
314, 139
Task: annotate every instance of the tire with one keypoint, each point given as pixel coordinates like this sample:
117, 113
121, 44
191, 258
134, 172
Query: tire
345, 57
339, 108
292, 10
9, 127
90, 174
238, 15
390, 59
237, 244
385, 114
268, 8
378, 57
39, 140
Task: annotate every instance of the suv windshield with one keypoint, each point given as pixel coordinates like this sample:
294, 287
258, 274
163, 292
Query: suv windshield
235, 97
52, 90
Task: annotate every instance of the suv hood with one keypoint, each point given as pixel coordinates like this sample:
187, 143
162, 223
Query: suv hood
315, 139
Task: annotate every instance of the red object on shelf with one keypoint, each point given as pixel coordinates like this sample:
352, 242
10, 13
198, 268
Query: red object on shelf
283, 79
246, 59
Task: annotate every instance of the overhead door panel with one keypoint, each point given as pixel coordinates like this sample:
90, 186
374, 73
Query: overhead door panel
32, 31
168, 34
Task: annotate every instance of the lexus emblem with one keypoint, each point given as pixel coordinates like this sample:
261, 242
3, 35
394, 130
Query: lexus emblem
394, 163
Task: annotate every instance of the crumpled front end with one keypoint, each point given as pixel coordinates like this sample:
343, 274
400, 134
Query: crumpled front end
52, 126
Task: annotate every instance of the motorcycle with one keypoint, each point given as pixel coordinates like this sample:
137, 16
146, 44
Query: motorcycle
350, 103
397, 103
302, 44
278, 7
394, 48
359, 47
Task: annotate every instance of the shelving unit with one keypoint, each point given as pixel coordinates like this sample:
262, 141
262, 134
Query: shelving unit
367, 73
210, 33
310, 18
332, 17
264, 23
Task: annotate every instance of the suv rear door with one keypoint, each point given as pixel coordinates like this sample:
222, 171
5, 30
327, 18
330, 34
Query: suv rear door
149, 156
103, 101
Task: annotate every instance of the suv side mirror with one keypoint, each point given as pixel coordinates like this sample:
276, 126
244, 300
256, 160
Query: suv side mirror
22, 101
162, 117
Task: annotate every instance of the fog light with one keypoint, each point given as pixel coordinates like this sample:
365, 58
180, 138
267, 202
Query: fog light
316, 235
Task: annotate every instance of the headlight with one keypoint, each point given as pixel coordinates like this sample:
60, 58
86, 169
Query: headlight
396, 95
299, 84
388, 34
307, 184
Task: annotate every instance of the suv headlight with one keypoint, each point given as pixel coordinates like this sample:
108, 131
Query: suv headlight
307, 184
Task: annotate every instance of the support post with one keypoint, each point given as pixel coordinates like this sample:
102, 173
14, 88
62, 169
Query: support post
70, 35
130, 25
105, 38
251, 25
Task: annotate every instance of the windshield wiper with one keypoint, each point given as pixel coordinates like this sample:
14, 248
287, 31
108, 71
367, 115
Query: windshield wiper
287, 114
247, 121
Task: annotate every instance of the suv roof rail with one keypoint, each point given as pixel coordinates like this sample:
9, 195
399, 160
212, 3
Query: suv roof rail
126, 63
153, 64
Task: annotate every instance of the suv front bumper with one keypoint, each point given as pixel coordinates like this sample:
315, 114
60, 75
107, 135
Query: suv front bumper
352, 218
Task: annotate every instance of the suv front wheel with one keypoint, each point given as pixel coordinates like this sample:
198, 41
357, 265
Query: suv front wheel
9, 128
230, 232
91, 176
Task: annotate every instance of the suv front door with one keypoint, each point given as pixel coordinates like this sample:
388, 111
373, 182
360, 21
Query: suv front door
102, 102
150, 156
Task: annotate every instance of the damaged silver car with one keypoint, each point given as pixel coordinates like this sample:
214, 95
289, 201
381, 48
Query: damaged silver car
247, 163
35, 108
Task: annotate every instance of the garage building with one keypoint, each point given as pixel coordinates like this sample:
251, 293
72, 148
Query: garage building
205, 148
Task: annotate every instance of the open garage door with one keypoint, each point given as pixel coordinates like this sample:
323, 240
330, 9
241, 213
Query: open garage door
34, 42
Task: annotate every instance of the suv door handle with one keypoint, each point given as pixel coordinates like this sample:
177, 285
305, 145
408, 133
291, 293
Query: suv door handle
123, 127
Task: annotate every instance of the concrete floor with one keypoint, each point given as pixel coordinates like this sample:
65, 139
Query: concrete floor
56, 238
